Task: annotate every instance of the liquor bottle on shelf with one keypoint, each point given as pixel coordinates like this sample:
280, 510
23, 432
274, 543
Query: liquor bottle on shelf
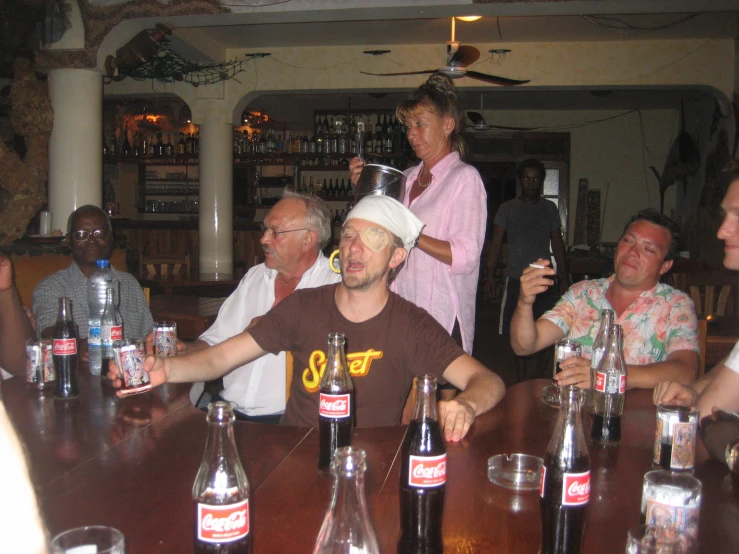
126, 146
311, 188
181, 146
319, 188
105, 147
304, 148
160, 145
196, 144
369, 142
112, 148
151, 147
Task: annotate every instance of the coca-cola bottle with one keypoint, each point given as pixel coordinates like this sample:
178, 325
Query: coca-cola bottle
609, 391
111, 329
221, 490
336, 402
65, 352
565, 480
599, 348
347, 528
422, 475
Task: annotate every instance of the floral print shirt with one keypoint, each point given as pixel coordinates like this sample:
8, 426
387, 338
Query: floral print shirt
660, 321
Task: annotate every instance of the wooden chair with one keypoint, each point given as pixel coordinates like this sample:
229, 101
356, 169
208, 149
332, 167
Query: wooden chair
164, 266
147, 295
707, 303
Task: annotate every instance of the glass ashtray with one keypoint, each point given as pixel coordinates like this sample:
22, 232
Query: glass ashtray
519, 472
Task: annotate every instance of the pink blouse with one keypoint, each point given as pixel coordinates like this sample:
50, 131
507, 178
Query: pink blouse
454, 209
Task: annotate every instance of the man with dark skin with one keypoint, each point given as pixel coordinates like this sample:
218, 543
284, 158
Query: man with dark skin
532, 223
90, 237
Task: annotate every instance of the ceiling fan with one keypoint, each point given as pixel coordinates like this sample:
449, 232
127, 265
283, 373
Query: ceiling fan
479, 123
459, 56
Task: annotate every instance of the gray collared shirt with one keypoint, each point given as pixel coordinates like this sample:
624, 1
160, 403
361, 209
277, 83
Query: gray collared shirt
71, 282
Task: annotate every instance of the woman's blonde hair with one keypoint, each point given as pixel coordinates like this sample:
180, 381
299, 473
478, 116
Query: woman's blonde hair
438, 95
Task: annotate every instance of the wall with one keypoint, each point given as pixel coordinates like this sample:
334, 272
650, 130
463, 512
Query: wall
611, 155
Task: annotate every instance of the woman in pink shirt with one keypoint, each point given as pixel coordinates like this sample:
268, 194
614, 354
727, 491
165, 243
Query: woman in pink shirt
449, 197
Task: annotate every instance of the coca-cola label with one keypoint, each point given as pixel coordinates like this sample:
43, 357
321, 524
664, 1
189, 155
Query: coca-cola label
116, 332
334, 405
65, 347
226, 523
600, 381
542, 480
611, 383
575, 489
427, 471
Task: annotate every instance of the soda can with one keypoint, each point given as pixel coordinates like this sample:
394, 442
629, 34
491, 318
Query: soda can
675, 437
130, 355
39, 364
165, 338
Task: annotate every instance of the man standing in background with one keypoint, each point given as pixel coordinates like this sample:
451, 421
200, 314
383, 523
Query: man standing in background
532, 223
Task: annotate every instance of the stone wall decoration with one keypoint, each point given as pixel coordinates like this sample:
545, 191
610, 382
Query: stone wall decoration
593, 225
23, 179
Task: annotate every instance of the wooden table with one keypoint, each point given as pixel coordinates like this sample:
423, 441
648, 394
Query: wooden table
193, 314
140, 481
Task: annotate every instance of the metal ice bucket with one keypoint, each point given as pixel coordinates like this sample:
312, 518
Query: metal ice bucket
380, 179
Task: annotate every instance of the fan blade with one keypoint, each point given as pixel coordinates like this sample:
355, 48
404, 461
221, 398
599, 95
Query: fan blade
494, 80
464, 56
475, 117
427, 72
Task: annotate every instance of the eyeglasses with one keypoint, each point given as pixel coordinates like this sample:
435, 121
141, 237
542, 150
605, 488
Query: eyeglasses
98, 234
273, 234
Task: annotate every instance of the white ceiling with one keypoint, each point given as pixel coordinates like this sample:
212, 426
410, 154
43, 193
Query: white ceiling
488, 29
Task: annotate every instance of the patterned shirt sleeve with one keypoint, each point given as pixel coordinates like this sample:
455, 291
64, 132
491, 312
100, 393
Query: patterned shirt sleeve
683, 325
565, 311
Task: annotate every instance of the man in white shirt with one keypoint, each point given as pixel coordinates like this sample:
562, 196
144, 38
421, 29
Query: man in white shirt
719, 387
296, 230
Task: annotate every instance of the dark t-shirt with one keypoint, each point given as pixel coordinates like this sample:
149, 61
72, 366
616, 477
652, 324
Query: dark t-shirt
383, 353
529, 228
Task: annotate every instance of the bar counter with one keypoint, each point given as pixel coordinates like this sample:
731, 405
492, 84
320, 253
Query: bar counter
131, 464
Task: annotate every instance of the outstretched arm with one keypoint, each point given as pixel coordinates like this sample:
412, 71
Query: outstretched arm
205, 365
481, 391
15, 327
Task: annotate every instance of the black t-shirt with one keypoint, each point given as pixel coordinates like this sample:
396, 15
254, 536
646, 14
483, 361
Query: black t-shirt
383, 353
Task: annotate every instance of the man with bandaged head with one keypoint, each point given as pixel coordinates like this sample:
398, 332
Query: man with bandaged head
388, 339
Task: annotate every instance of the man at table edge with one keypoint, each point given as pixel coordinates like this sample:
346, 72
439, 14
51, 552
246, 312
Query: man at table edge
719, 387
641, 304
376, 238
301, 224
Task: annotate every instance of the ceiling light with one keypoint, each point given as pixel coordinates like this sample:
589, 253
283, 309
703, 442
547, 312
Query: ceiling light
469, 18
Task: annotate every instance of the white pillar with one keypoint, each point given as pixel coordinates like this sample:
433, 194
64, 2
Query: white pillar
75, 146
215, 226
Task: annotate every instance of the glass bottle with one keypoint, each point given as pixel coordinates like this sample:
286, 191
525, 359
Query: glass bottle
347, 528
336, 403
65, 352
422, 475
565, 481
609, 392
221, 490
599, 347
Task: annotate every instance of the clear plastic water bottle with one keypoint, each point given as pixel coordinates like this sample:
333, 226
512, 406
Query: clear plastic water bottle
97, 288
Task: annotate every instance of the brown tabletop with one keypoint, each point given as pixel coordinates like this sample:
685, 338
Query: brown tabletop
141, 481
193, 314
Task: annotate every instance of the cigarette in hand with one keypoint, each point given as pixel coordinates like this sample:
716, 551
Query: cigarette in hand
538, 266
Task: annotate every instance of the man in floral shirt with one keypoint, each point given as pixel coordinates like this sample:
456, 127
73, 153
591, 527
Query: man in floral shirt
660, 337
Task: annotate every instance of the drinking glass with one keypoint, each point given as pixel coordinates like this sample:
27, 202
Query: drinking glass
130, 355
165, 338
562, 350
653, 539
96, 538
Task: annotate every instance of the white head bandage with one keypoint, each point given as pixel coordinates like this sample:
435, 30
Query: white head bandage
390, 214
